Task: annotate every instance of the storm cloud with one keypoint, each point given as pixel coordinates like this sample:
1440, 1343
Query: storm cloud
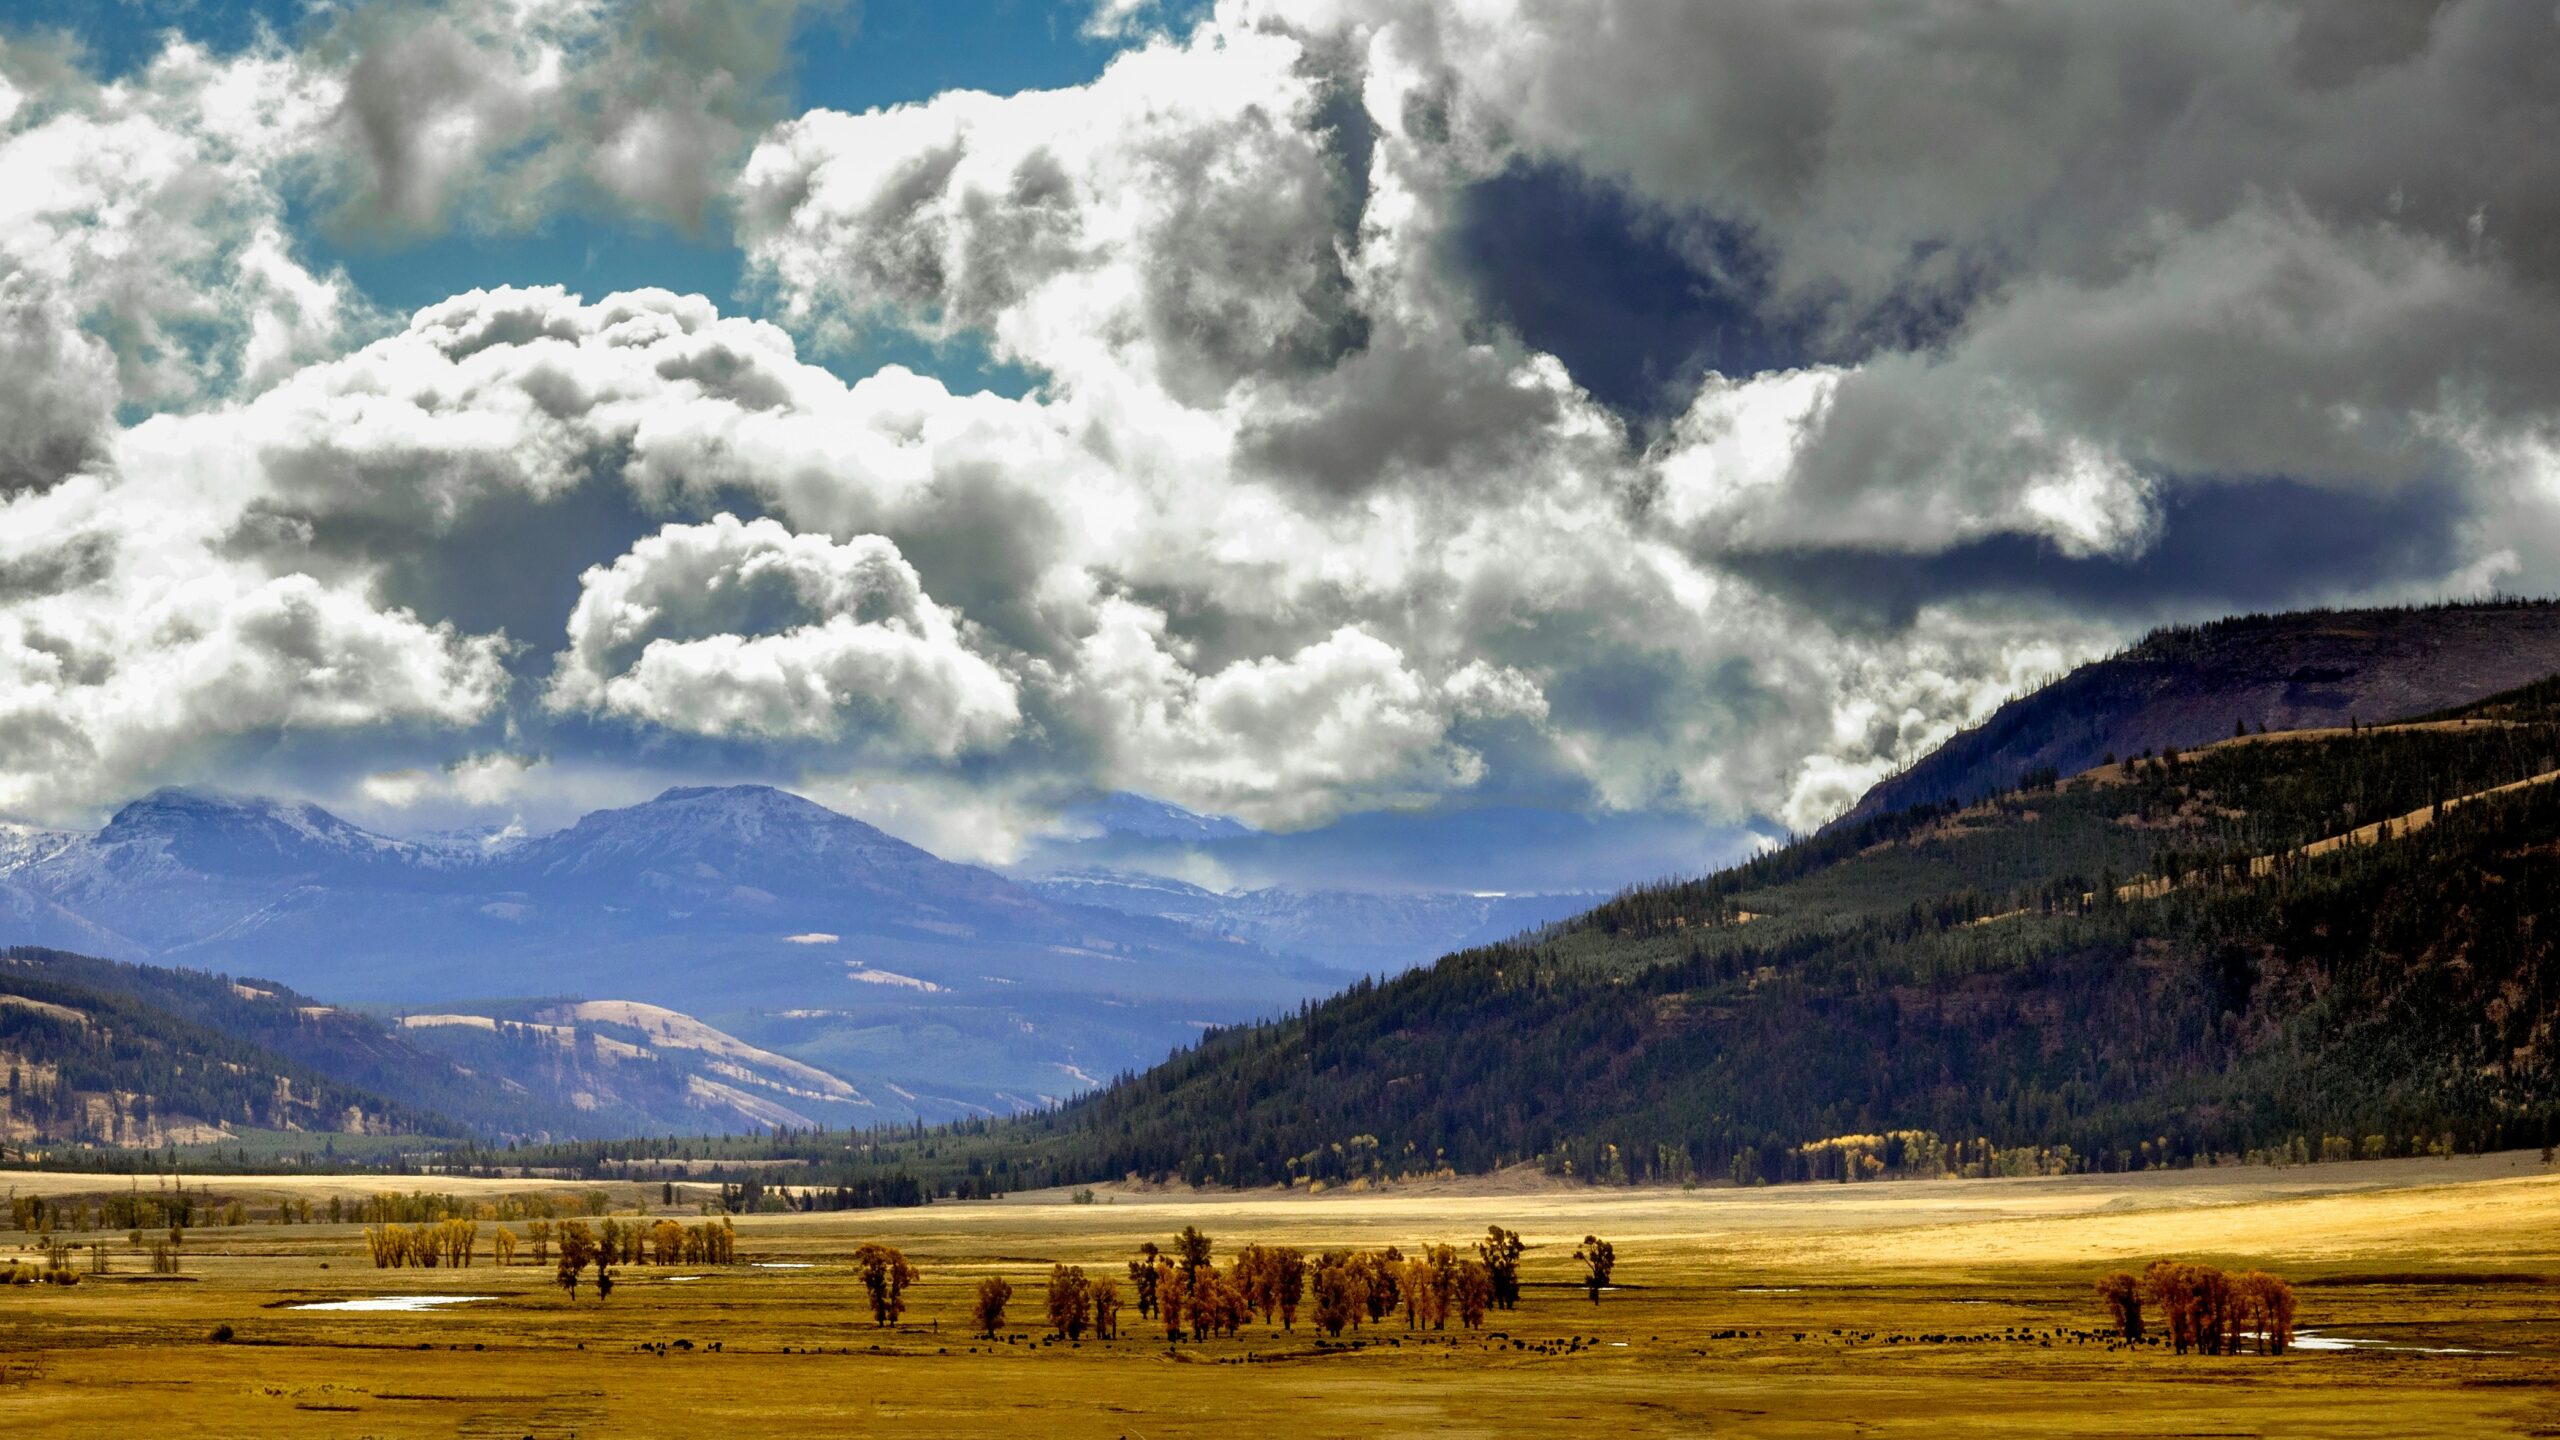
1694, 410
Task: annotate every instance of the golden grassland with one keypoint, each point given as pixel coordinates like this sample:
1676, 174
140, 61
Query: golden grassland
1905, 1308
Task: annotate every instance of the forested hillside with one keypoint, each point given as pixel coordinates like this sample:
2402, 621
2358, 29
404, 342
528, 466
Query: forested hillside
98, 1053
2134, 966
2189, 685
102, 1053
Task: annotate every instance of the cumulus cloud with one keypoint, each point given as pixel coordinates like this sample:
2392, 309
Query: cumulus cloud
1282, 738
143, 258
746, 629
141, 659
512, 107
1188, 215
1977, 327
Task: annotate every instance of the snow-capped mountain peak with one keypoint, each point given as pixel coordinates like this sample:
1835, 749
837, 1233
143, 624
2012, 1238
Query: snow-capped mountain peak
1143, 817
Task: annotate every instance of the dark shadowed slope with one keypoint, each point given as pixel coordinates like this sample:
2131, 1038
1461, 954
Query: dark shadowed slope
2190, 686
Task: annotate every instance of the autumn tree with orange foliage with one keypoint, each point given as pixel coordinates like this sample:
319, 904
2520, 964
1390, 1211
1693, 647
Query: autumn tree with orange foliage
2204, 1309
994, 1293
1104, 1293
2121, 1293
1070, 1295
886, 1274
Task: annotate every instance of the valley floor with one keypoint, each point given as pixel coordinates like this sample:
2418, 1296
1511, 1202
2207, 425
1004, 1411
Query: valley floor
1858, 1310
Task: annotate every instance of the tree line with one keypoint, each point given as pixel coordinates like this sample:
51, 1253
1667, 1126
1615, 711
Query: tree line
455, 1243
1182, 1288
2206, 1310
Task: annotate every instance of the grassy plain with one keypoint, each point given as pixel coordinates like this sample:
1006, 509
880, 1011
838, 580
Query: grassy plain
1908, 1308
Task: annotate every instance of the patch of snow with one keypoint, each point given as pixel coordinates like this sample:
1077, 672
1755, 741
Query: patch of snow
711, 1094
675, 1030
856, 970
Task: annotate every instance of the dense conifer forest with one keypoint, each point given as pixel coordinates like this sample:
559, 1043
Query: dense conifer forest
153, 1052
2151, 963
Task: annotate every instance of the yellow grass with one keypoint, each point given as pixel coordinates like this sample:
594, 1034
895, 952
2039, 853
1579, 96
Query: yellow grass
1817, 1280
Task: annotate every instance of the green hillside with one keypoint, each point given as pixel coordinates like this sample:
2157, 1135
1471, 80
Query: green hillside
2126, 968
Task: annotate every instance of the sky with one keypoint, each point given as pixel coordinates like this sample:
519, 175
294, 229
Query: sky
1587, 439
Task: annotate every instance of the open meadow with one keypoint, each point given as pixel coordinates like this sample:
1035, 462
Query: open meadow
2429, 1295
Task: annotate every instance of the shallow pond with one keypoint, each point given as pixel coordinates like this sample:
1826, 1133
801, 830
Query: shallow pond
409, 1303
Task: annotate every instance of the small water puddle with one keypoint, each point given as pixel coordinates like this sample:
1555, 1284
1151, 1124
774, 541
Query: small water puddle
2314, 1340
409, 1303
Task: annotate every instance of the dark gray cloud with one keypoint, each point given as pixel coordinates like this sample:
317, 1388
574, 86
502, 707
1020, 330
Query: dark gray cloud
492, 114
2226, 545
1635, 300
1695, 409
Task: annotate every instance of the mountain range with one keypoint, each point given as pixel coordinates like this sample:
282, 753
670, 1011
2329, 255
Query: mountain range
938, 988
2286, 932
1355, 931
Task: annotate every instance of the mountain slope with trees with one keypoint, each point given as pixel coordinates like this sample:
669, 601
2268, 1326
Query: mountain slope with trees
2186, 686
98, 1053
2138, 965
101, 1053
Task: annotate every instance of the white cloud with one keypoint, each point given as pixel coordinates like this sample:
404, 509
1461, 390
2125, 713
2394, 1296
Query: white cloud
1275, 740
496, 112
1295, 522
142, 243
124, 672
747, 629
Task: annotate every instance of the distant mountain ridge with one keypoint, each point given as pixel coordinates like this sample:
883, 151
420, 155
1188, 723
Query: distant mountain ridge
1356, 932
2189, 686
803, 930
